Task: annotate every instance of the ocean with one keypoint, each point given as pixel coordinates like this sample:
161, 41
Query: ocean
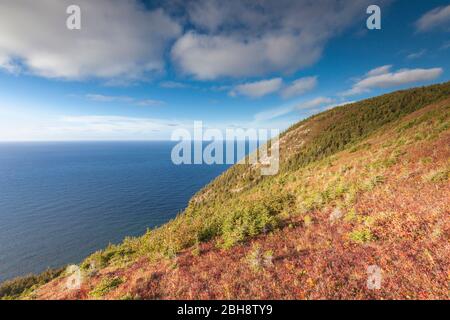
61, 201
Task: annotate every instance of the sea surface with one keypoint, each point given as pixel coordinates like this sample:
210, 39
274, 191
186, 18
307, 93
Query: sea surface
60, 202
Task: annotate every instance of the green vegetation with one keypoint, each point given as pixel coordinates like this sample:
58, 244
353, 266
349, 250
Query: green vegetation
105, 286
245, 223
351, 215
21, 286
361, 235
307, 220
349, 124
438, 176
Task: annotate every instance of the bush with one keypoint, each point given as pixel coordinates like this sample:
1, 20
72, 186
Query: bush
247, 222
112, 253
105, 286
307, 220
257, 260
438, 176
13, 289
361, 235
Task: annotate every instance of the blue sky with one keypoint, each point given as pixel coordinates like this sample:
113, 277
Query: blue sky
137, 71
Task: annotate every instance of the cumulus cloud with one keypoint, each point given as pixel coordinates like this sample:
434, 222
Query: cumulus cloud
123, 99
239, 38
123, 41
118, 39
299, 86
257, 89
437, 18
387, 79
209, 57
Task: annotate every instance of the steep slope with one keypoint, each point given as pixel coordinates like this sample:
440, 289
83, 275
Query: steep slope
360, 185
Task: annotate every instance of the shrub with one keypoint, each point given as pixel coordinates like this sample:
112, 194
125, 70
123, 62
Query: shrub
196, 250
13, 289
307, 220
351, 215
112, 254
361, 235
106, 285
257, 259
438, 176
426, 160
247, 222
373, 181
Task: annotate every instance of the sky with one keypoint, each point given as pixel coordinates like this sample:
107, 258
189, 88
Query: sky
138, 70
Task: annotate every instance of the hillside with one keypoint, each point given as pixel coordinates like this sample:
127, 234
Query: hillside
359, 185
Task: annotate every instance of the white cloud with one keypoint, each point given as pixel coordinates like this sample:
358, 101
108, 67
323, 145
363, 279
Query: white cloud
124, 99
207, 14
173, 85
416, 55
108, 127
257, 89
236, 39
392, 79
22, 123
273, 113
299, 86
438, 17
103, 98
284, 110
118, 39
111, 124
380, 70
261, 88
149, 103
122, 41
338, 104
314, 103
209, 57
7, 65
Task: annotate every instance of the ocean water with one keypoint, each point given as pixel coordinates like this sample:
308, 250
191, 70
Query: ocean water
59, 202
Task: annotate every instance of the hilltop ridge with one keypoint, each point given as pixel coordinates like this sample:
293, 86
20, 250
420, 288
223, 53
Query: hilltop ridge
360, 185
